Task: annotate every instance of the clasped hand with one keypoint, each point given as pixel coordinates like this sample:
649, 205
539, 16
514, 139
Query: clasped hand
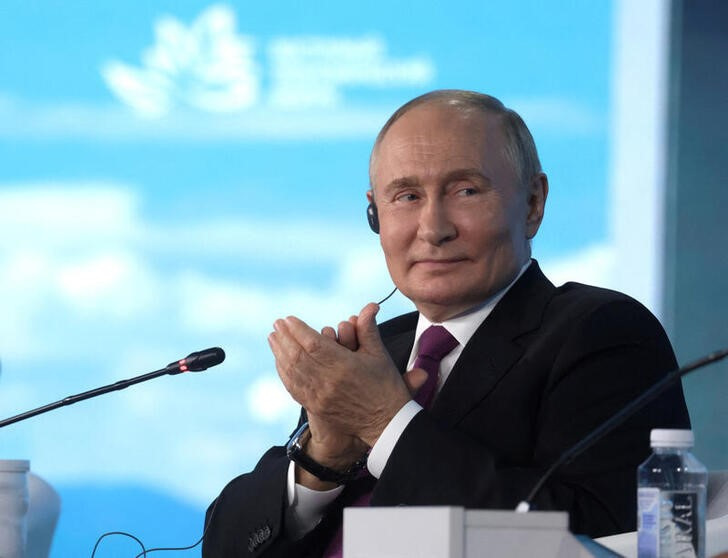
344, 379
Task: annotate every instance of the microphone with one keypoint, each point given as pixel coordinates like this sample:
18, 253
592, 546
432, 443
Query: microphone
197, 362
618, 418
194, 362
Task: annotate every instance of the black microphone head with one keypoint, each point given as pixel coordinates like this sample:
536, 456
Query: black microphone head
199, 361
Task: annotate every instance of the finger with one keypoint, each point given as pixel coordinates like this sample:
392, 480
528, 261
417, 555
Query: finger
297, 382
414, 380
290, 358
347, 336
310, 352
304, 335
329, 332
283, 343
284, 373
366, 327
279, 355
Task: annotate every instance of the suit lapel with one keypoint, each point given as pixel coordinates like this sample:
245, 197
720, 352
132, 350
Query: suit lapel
494, 347
399, 343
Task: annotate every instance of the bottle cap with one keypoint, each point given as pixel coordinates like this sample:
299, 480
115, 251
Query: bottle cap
668, 438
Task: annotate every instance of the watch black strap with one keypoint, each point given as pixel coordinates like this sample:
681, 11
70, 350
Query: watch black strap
296, 453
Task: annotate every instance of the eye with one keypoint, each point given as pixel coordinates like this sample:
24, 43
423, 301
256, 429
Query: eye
406, 197
467, 191
464, 188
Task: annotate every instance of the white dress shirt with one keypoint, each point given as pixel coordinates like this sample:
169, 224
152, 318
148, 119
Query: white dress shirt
306, 506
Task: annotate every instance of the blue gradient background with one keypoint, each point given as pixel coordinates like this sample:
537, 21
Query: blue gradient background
124, 246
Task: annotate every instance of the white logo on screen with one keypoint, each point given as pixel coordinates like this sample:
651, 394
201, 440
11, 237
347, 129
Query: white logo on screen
208, 66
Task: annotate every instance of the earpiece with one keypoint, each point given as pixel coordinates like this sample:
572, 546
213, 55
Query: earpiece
373, 217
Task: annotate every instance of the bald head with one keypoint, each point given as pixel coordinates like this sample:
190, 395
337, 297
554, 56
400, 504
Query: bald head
519, 148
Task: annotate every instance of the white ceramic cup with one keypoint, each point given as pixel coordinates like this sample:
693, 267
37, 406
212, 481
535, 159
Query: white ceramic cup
13, 507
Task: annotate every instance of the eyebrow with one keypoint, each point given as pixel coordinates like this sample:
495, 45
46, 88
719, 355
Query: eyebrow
455, 174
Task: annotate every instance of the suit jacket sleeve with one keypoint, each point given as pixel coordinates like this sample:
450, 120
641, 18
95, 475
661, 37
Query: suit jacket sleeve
247, 519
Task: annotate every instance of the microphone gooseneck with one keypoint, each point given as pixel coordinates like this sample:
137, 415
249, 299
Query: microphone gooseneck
618, 418
194, 362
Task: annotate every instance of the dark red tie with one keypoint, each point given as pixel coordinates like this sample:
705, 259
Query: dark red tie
435, 343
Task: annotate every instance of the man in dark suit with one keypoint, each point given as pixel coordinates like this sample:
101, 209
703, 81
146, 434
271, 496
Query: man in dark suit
529, 369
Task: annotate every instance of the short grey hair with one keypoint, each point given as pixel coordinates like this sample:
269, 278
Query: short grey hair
520, 149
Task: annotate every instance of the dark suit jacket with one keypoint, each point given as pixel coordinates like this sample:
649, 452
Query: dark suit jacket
543, 370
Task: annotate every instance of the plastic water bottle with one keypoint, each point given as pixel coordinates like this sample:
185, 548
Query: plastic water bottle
671, 498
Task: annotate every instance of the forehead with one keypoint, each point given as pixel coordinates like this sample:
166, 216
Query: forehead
432, 140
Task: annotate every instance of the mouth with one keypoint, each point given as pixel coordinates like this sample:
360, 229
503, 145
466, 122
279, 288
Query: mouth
437, 263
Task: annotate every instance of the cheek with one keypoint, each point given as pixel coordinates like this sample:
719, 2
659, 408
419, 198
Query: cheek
490, 241
393, 231
392, 251
394, 242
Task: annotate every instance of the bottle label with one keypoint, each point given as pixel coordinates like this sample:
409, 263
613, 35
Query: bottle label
667, 523
648, 522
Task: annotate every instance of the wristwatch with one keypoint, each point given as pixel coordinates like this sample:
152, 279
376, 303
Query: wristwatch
295, 451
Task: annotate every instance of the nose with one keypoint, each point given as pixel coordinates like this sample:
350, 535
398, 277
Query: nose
435, 225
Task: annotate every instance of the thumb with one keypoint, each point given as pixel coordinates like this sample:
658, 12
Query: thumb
366, 326
415, 379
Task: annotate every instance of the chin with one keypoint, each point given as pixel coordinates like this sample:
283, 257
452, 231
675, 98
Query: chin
450, 303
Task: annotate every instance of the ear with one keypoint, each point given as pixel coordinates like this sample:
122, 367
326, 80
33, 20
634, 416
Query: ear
370, 196
538, 191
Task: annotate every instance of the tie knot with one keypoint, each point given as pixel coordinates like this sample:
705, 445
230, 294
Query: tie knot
436, 342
